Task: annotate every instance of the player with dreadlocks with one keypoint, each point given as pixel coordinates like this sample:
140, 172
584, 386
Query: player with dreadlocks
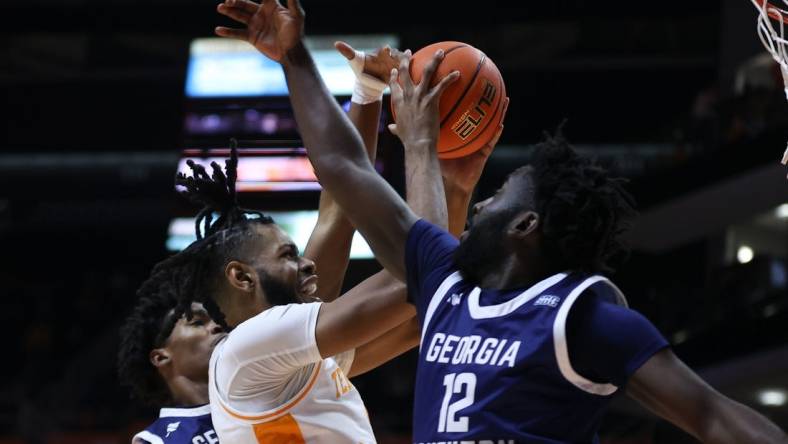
180, 379
522, 339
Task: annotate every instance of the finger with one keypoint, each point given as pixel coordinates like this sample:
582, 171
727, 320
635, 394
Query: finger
396, 88
245, 5
404, 71
395, 53
295, 8
345, 49
496, 137
236, 14
430, 68
435, 93
505, 108
232, 33
393, 129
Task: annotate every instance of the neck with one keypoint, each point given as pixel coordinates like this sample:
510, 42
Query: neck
242, 307
517, 272
187, 392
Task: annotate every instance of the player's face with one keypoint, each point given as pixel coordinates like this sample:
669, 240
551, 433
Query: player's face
284, 276
483, 246
191, 343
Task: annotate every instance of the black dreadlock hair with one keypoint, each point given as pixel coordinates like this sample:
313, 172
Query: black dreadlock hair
219, 240
584, 210
188, 276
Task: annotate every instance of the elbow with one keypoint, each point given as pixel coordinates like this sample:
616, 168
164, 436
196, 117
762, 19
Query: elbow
335, 164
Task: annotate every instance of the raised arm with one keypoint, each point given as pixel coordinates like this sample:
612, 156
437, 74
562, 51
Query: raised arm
330, 241
334, 147
370, 203
671, 390
460, 177
337, 153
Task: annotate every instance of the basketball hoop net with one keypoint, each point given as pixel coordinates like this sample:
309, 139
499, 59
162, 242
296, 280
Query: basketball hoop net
773, 39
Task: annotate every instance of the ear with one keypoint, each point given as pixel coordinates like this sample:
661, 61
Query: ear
160, 357
240, 276
523, 225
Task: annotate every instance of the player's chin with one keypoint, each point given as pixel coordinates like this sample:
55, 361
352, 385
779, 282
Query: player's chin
218, 339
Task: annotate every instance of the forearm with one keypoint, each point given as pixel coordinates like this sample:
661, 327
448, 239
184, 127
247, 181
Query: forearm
325, 130
364, 313
424, 183
331, 240
386, 347
342, 166
457, 202
731, 422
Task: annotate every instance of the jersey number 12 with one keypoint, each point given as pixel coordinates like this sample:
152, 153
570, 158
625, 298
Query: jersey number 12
456, 383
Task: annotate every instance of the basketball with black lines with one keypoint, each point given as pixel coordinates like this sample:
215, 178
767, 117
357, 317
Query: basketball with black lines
471, 109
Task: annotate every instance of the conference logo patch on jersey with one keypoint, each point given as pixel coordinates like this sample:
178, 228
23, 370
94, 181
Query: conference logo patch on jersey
548, 300
171, 427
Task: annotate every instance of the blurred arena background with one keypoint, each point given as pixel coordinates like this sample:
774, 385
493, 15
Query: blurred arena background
677, 95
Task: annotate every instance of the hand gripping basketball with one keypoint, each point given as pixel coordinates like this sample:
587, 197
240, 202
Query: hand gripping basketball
270, 27
416, 105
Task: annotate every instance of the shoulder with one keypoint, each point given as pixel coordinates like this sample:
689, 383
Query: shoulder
423, 231
272, 324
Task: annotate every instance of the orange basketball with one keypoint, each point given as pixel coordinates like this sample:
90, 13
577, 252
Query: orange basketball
471, 108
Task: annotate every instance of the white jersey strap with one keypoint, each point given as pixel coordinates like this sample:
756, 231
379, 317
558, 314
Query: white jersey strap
147, 436
190, 412
559, 340
440, 293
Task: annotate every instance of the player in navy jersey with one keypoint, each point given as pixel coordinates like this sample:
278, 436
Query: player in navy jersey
176, 371
522, 339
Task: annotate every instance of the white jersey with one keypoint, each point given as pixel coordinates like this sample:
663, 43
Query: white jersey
269, 384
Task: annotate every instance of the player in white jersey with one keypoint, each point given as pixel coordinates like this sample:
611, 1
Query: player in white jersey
164, 358
282, 373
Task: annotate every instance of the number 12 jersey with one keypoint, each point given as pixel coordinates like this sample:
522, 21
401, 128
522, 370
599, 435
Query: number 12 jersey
494, 366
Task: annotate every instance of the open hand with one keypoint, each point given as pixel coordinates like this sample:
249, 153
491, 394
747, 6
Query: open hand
416, 106
377, 64
463, 173
270, 27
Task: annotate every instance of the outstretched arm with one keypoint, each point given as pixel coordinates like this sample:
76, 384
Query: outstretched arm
337, 154
666, 386
330, 241
335, 150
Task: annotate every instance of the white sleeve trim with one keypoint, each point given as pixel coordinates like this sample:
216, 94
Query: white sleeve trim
561, 349
185, 412
147, 436
436, 299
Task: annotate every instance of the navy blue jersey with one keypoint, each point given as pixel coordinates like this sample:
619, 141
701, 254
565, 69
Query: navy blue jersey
494, 366
180, 426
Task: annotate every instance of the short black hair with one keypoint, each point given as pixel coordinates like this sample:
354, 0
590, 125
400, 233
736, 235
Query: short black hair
187, 276
147, 328
583, 209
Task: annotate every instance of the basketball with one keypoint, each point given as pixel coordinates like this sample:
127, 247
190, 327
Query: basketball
471, 108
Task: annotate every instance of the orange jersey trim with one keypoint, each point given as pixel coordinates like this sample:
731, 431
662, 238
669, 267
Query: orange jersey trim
290, 404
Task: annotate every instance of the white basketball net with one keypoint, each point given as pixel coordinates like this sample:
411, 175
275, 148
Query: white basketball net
773, 39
